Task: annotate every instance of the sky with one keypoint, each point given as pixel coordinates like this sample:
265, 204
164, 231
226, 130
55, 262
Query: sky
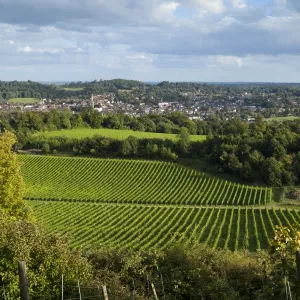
150, 40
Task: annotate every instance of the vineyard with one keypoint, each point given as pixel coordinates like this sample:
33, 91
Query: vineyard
146, 226
131, 181
142, 204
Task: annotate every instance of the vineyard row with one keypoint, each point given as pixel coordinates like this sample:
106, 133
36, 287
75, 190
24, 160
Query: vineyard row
144, 227
131, 181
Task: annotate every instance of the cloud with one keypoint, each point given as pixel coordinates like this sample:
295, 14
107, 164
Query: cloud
28, 49
133, 37
294, 4
166, 10
228, 60
239, 3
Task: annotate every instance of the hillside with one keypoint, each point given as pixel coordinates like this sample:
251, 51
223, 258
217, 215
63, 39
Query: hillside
143, 204
144, 227
131, 181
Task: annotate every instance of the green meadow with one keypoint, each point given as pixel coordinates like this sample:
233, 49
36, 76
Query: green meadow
116, 134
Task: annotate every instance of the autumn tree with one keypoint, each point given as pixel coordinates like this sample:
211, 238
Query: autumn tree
285, 256
11, 185
47, 256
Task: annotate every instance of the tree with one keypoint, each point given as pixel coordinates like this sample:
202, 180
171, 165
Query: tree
65, 123
285, 256
167, 154
246, 171
256, 158
47, 257
164, 127
130, 146
184, 140
151, 149
11, 184
46, 148
272, 172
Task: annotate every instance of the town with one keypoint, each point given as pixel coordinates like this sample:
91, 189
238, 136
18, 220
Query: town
197, 101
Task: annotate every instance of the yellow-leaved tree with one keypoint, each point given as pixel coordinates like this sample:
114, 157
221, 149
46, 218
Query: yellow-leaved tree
11, 185
47, 256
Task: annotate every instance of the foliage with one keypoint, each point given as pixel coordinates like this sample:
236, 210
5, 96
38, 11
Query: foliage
284, 247
46, 148
187, 272
11, 185
272, 172
47, 257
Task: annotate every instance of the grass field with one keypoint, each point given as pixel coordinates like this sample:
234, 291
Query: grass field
280, 119
116, 134
24, 100
74, 89
144, 227
131, 181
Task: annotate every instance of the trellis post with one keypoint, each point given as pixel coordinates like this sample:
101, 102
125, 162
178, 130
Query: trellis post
23, 280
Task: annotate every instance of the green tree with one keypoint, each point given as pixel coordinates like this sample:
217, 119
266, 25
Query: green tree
129, 147
47, 257
246, 171
46, 148
272, 172
183, 140
167, 154
256, 158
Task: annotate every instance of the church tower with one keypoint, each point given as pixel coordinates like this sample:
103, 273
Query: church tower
92, 104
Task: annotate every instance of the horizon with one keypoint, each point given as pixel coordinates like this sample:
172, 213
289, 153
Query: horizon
157, 82
154, 81
223, 41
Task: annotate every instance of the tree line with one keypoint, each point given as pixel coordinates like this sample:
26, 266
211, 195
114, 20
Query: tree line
267, 150
24, 123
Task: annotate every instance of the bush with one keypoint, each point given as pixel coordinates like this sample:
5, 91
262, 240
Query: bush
47, 257
46, 148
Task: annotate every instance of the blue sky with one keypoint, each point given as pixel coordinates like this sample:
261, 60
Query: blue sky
150, 40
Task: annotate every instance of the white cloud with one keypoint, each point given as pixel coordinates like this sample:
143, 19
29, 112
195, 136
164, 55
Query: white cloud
28, 49
208, 6
221, 60
164, 12
239, 3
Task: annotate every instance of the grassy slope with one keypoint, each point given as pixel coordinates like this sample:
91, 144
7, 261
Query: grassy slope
117, 134
24, 100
